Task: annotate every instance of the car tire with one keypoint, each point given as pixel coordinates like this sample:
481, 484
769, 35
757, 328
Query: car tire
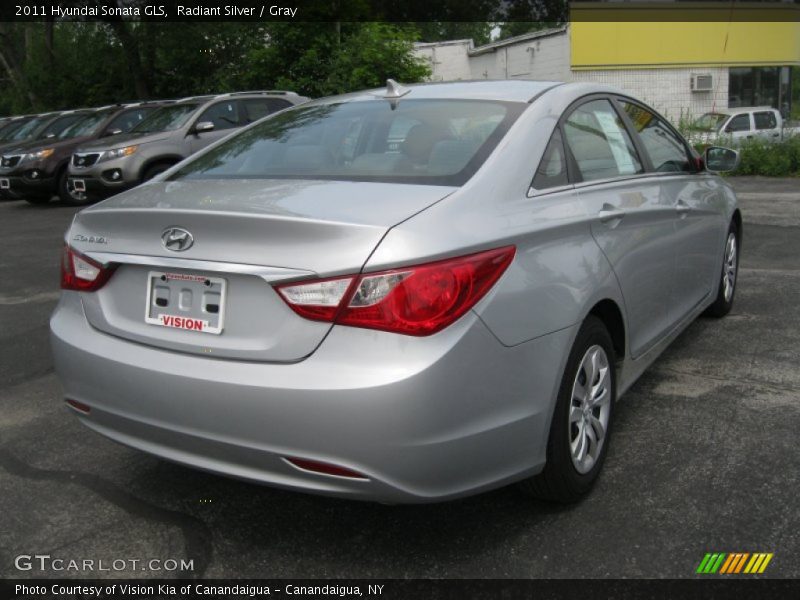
154, 170
67, 197
730, 275
580, 429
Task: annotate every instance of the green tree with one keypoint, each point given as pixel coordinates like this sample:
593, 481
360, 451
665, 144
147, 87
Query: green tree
320, 59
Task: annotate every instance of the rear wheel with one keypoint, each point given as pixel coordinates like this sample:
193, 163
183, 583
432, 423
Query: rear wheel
730, 272
581, 424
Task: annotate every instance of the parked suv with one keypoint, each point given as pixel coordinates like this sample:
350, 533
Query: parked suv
37, 170
35, 128
165, 138
739, 124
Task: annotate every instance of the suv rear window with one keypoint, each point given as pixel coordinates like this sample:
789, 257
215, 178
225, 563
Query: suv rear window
435, 142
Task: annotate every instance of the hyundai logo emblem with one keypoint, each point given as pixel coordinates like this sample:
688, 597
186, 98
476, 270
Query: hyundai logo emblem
177, 239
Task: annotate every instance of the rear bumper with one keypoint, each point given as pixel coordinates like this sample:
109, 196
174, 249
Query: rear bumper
424, 419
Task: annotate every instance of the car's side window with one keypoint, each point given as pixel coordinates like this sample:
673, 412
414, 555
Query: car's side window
666, 150
552, 170
765, 120
739, 123
223, 115
601, 146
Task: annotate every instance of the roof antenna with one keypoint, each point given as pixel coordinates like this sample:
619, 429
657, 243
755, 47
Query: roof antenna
394, 91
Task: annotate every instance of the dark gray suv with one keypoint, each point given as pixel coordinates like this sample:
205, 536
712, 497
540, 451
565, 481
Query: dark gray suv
166, 137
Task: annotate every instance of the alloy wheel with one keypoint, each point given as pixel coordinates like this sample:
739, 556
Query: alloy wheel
729, 267
589, 409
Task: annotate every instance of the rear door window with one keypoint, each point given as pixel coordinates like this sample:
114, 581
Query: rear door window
765, 120
666, 150
599, 142
224, 115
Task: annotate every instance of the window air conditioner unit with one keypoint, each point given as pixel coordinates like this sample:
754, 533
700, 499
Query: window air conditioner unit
702, 83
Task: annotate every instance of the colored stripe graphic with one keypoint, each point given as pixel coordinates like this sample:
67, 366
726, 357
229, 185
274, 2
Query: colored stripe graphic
734, 563
731, 563
764, 564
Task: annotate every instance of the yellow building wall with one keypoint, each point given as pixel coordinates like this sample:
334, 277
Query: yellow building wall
625, 36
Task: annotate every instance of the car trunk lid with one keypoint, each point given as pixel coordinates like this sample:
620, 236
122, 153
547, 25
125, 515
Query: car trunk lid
246, 235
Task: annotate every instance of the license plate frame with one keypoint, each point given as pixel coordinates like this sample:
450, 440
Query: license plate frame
184, 311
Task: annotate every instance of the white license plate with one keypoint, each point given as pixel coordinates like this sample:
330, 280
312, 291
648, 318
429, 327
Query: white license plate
185, 301
4, 184
79, 185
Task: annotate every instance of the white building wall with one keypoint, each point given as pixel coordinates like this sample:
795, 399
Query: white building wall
548, 58
545, 59
667, 90
449, 61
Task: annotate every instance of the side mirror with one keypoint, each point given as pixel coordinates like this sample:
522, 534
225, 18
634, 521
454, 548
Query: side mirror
720, 160
203, 126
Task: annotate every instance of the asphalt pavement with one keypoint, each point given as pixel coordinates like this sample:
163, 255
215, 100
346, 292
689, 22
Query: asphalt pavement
705, 457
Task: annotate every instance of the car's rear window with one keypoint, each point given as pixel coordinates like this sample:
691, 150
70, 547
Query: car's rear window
436, 142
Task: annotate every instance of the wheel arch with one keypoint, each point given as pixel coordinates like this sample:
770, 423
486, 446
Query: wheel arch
609, 312
737, 220
168, 159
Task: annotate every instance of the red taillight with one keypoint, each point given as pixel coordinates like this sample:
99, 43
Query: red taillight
417, 300
324, 468
81, 273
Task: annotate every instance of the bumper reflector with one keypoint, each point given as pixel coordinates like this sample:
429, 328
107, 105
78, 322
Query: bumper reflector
324, 468
79, 406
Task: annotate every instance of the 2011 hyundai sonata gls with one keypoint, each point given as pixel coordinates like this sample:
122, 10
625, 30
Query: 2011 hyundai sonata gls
405, 295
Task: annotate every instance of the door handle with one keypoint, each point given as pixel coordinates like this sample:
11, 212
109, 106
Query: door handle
682, 208
610, 213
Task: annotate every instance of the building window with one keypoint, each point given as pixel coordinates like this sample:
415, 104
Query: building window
760, 86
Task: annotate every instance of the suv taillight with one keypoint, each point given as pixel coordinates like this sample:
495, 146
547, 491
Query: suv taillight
417, 300
81, 273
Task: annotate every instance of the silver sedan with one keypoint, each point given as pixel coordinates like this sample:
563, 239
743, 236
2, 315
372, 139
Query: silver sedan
407, 294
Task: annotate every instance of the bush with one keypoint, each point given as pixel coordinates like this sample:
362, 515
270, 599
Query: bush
773, 159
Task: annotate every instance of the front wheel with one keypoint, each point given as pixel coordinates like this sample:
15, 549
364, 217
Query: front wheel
730, 272
581, 426
68, 194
